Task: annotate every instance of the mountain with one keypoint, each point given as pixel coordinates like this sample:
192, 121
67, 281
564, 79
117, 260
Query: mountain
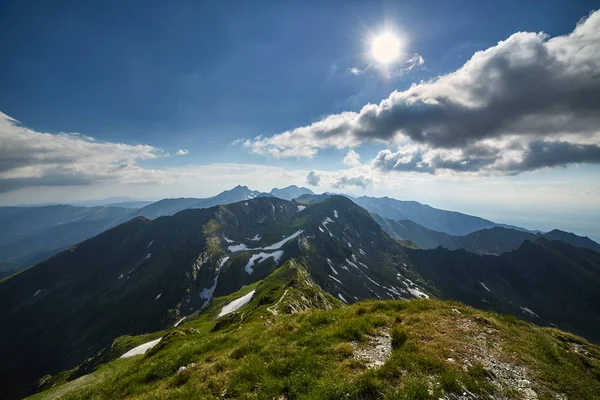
451, 222
32, 234
495, 241
548, 282
284, 338
144, 275
290, 192
568, 237
172, 206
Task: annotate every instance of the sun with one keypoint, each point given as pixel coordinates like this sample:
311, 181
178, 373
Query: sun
386, 48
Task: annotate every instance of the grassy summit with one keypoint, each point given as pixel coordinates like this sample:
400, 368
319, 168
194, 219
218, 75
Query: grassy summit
293, 341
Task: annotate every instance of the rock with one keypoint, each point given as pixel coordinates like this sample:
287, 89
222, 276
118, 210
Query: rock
181, 369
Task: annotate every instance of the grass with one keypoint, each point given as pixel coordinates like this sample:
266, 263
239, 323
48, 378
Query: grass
309, 356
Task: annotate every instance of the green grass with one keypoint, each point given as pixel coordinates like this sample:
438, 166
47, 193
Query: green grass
309, 355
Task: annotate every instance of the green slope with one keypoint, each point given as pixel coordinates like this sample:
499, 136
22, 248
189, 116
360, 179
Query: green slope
422, 349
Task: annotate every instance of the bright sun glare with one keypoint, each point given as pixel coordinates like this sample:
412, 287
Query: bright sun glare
386, 48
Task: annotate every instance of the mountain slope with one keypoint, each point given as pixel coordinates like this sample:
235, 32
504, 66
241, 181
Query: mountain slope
451, 222
145, 274
19, 222
423, 349
172, 206
547, 282
290, 192
32, 234
494, 241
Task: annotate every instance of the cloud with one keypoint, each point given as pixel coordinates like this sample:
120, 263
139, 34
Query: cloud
352, 158
182, 152
345, 181
313, 179
527, 89
30, 158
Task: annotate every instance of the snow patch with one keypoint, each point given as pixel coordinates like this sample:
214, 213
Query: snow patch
335, 213
485, 287
349, 244
238, 247
120, 276
362, 252
351, 263
158, 296
179, 322
300, 208
336, 279
150, 244
37, 292
148, 256
372, 281
262, 257
274, 246
236, 304
256, 238
526, 310
225, 238
141, 349
342, 298
223, 261
207, 293
277, 245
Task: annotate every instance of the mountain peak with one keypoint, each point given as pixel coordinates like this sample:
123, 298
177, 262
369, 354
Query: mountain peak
290, 192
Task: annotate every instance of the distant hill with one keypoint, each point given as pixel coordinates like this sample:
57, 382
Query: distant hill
290, 192
549, 282
450, 222
495, 241
172, 206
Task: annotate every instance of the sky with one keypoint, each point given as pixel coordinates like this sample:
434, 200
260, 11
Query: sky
489, 108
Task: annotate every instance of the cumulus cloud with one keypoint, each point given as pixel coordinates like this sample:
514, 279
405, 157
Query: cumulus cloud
313, 179
182, 152
352, 158
345, 181
30, 158
505, 105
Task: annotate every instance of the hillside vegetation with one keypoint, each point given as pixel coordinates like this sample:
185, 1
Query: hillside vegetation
292, 341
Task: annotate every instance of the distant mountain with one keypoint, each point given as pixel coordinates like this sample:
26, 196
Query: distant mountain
312, 198
31, 234
172, 206
451, 222
119, 201
546, 282
290, 192
573, 239
494, 241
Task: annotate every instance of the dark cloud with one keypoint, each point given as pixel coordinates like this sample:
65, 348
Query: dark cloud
549, 154
313, 179
346, 181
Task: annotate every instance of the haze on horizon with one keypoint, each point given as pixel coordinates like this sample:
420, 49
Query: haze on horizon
433, 104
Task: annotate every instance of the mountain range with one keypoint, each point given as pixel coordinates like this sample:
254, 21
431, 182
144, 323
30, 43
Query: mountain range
145, 275
33, 233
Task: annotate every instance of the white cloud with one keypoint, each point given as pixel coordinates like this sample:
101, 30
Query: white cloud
182, 152
352, 158
504, 111
31, 158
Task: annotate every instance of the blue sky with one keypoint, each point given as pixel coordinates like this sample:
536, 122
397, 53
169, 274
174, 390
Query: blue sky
197, 76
